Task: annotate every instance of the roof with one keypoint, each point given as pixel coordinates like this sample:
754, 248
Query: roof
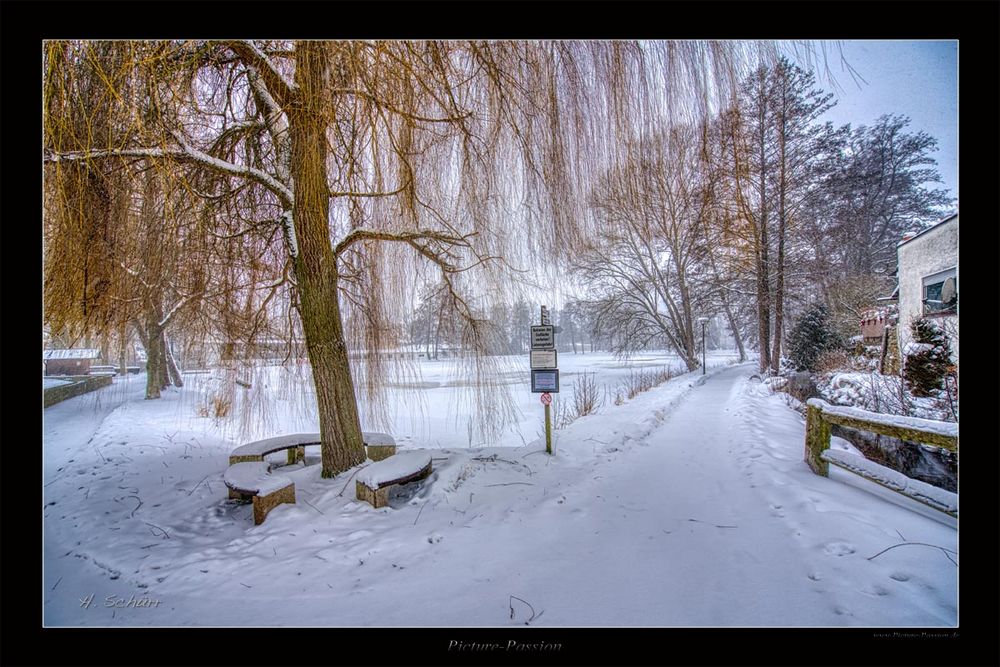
71, 354
934, 226
891, 297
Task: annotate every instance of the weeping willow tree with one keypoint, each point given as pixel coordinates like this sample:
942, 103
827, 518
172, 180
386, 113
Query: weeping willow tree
349, 170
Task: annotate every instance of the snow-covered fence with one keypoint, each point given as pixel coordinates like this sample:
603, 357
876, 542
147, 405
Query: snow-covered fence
820, 415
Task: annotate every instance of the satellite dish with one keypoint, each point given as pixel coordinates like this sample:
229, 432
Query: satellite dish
948, 291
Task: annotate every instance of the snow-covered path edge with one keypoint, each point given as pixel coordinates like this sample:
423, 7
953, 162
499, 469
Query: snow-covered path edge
629, 524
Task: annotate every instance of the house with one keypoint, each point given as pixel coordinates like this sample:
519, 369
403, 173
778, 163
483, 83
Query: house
69, 362
928, 280
873, 324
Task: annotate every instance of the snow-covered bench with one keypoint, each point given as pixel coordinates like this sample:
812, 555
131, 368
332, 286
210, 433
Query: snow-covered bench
374, 481
377, 446
254, 479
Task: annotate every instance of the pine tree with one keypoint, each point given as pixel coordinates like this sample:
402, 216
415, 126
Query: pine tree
927, 358
810, 337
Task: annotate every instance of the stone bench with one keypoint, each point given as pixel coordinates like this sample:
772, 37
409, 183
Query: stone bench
377, 447
374, 481
253, 479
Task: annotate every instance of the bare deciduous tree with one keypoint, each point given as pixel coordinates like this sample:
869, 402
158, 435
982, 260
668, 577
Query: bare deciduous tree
347, 168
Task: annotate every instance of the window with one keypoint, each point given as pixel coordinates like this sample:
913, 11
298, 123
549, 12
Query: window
940, 293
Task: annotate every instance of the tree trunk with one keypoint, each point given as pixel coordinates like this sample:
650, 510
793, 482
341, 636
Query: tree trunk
153, 355
779, 269
164, 373
123, 351
173, 372
763, 305
737, 337
105, 348
763, 285
316, 266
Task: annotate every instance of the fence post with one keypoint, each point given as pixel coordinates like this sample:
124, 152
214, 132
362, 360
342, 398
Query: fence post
817, 440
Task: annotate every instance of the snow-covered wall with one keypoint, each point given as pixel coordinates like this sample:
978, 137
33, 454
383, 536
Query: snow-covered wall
931, 252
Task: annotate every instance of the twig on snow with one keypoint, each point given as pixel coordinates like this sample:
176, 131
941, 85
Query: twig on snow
714, 524
920, 544
511, 484
419, 513
312, 506
199, 483
511, 605
350, 478
132, 515
164, 533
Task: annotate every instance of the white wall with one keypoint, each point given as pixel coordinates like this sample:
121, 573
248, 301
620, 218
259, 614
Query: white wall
932, 252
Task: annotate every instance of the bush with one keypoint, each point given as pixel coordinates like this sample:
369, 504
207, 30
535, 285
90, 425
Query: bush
638, 382
801, 387
587, 397
831, 361
928, 359
811, 336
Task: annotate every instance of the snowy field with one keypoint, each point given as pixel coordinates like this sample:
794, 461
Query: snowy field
688, 505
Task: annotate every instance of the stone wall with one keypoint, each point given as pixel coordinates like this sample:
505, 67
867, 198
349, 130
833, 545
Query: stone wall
83, 384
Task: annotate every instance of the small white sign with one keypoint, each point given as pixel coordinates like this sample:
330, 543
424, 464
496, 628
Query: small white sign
543, 359
542, 338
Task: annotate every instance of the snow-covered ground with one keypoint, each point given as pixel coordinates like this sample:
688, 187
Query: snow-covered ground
688, 505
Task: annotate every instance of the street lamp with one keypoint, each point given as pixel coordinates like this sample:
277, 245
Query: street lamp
703, 321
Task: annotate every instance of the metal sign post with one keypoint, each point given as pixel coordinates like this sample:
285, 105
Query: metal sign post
544, 370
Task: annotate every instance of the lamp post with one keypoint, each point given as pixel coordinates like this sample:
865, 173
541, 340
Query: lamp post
703, 321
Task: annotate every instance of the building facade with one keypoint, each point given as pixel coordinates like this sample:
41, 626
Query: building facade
928, 280
68, 362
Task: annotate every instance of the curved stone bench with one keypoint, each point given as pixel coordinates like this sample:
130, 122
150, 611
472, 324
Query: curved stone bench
253, 479
373, 482
377, 447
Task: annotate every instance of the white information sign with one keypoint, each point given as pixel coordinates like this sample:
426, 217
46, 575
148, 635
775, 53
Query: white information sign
543, 359
543, 338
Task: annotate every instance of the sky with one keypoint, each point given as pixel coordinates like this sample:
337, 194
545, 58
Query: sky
918, 79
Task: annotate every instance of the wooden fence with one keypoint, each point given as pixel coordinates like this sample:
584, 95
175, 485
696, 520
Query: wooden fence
820, 415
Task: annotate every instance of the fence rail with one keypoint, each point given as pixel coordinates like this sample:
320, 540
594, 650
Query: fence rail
820, 415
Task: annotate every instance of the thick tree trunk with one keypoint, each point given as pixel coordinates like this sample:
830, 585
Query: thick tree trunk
316, 266
154, 362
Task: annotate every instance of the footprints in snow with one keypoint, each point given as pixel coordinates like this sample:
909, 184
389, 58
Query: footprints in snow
839, 549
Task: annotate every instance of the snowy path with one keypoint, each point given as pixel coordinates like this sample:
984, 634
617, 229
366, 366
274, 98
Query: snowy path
688, 505
689, 526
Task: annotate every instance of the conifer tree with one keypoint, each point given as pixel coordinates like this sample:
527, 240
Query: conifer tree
810, 337
927, 358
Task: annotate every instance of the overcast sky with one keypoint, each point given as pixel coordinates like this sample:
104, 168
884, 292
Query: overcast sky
918, 79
